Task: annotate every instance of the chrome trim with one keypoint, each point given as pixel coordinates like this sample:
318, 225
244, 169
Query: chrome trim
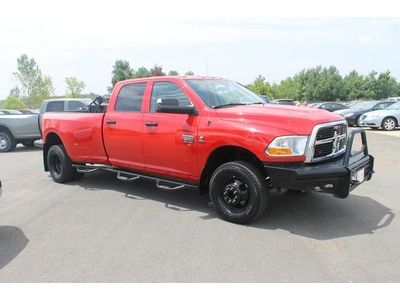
310, 147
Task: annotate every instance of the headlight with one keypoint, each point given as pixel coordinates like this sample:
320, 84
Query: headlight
287, 146
372, 116
349, 115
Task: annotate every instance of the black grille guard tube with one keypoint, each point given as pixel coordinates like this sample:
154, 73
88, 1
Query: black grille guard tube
336, 176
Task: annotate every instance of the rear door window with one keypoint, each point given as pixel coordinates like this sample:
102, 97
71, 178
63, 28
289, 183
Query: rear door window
130, 97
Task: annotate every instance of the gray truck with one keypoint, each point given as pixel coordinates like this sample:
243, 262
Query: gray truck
18, 128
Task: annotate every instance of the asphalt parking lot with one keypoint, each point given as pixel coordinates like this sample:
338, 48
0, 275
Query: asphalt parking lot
102, 230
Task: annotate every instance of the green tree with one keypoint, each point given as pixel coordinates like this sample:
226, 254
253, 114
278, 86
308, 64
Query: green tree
75, 87
260, 86
121, 71
353, 86
12, 102
142, 72
156, 70
34, 86
386, 85
189, 73
15, 92
173, 73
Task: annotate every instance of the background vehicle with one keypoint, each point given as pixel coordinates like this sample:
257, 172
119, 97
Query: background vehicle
10, 112
285, 102
265, 98
330, 106
388, 118
208, 134
27, 111
18, 128
353, 114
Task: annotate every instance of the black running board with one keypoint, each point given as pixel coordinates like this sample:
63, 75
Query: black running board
128, 176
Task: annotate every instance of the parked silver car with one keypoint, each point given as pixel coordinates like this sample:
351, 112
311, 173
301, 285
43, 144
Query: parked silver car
388, 118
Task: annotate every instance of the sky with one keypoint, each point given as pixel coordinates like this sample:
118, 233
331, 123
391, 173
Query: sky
232, 39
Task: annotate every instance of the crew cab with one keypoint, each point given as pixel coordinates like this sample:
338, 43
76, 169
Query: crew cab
209, 134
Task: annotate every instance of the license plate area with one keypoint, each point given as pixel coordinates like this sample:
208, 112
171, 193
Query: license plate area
358, 176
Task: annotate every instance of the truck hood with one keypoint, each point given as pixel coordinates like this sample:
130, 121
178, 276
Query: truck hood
296, 120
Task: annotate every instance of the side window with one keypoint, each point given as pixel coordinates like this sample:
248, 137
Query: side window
130, 97
75, 105
55, 106
167, 90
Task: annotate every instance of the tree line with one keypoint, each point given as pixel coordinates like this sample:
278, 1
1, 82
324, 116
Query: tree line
314, 84
326, 84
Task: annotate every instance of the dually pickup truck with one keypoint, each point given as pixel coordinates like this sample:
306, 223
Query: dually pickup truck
210, 134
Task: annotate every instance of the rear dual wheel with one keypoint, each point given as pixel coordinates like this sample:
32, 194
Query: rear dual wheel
60, 165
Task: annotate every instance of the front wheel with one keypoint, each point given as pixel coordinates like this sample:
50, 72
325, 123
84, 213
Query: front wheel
389, 124
239, 192
60, 165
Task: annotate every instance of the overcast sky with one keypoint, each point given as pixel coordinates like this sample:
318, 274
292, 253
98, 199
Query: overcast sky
237, 40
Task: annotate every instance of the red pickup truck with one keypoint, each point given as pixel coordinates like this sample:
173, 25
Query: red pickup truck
210, 134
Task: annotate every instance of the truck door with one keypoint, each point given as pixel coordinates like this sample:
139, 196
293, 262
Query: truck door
170, 139
122, 128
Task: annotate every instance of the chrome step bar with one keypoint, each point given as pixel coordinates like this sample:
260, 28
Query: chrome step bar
127, 176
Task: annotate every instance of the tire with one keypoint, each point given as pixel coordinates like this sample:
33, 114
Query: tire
7, 142
60, 165
28, 144
357, 122
389, 123
239, 192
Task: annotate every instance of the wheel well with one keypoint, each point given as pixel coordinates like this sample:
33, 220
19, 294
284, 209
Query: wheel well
223, 155
5, 129
391, 117
51, 139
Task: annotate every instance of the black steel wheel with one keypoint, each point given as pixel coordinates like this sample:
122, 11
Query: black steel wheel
60, 165
239, 192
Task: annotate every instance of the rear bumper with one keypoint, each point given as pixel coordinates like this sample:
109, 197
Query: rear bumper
338, 176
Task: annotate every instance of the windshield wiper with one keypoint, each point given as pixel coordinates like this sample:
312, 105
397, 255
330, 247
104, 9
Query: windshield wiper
236, 103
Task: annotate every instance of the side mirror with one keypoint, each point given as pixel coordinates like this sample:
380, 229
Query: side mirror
172, 106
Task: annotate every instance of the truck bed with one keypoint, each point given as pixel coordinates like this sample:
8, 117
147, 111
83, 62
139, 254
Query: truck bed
81, 132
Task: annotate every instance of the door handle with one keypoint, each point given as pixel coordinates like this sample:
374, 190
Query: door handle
151, 123
111, 121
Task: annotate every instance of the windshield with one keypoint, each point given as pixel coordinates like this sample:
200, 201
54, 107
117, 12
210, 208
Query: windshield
395, 106
218, 92
364, 105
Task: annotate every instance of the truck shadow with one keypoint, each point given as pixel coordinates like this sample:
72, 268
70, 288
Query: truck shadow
12, 242
312, 215
324, 217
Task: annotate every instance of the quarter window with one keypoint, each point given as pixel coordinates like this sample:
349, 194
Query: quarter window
130, 97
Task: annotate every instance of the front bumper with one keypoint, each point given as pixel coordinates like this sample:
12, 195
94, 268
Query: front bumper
338, 176
351, 120
372, 122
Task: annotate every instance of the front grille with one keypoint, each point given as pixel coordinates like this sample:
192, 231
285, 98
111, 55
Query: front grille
329, 141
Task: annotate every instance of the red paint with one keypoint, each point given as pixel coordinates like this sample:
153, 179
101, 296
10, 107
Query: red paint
160, 150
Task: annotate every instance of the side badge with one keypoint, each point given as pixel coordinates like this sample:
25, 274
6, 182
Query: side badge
187, 138
202, 139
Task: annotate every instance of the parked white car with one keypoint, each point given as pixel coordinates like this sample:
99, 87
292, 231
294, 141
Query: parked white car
388, 118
